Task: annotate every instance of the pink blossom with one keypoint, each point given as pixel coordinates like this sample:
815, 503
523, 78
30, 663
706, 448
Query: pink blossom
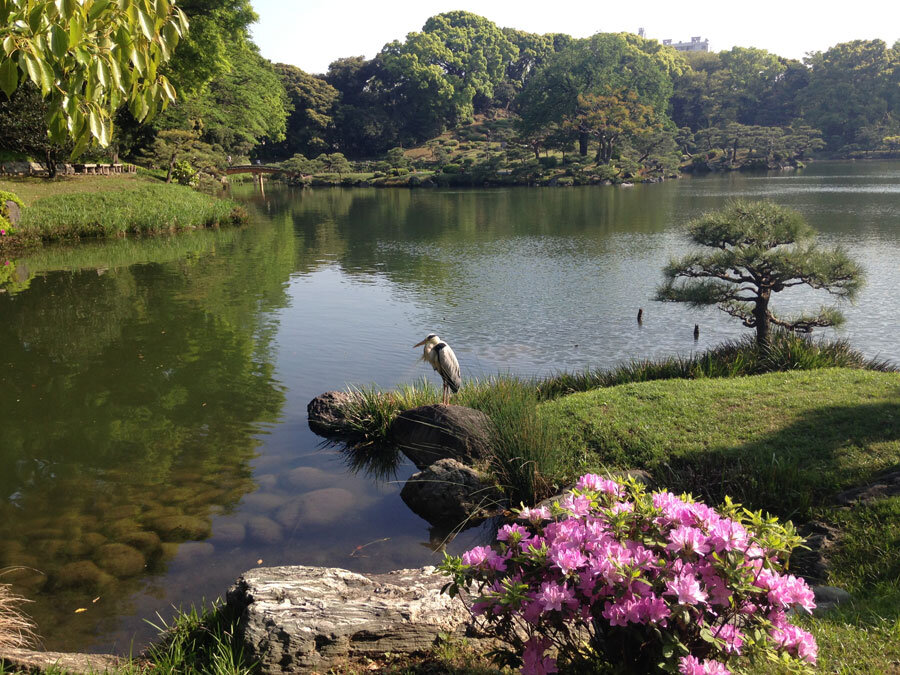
577, 506
727, 535
476, 556
687, 589
2, 232
552, 596
567, 559
691, 665
535, 515
533, 660
733, 638
513, 533
796, 641
591, 481
688, 539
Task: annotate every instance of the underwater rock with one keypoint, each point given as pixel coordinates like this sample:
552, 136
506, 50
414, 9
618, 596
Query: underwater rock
264, 530
319, 507
448, 494
81, 574
120, 560
180, 528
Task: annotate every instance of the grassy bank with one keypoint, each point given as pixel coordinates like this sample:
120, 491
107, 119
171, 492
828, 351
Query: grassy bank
783, 442
104, 206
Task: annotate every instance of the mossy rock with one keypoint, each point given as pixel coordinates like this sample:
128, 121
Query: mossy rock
122, 511
264, 530
122, 527
146, 542
93, 539
177, 495
25, 578
82, 574
229, 533
49, 548
180, 528
120, 560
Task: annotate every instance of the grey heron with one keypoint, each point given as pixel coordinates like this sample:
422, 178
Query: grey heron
443, 360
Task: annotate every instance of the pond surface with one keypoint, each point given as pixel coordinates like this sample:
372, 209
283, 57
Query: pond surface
153, 436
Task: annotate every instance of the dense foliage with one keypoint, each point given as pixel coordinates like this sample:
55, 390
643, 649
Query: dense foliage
611, 578
635, 107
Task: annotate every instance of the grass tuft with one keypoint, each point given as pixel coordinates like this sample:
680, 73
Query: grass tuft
16, 628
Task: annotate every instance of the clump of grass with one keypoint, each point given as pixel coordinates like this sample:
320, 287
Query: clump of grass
199, 641
16, 628
736, 358
149, 208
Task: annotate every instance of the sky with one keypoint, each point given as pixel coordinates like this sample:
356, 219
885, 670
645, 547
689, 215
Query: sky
310, 34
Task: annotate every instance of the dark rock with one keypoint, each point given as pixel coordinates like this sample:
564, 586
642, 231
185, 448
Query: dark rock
813, 562
448, 493
120, 560
432, 432
885, 485
828, 597
13, 212
325, 414
303, 619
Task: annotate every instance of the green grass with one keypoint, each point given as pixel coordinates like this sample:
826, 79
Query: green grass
787, 351
148, 208
33, 188
782, 442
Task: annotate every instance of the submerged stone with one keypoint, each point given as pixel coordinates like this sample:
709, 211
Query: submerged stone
82, 574
120, 560
319, 507
180, 528
264, 530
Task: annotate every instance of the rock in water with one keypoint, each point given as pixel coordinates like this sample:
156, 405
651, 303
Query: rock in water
432, 432
324, 414
303, 619
448, 493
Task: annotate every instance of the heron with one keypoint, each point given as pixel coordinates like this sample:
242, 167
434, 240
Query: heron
443, 360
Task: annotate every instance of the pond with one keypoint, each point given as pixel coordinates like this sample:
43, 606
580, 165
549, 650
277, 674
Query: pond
153, 435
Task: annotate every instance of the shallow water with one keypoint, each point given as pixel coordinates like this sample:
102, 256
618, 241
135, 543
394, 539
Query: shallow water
153, 437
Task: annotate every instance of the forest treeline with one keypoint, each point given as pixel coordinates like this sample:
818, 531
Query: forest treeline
612, 97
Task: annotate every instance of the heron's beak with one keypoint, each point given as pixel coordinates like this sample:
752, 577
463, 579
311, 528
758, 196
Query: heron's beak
420, 343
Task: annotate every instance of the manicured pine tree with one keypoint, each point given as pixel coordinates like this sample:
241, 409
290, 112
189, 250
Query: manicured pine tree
759, 248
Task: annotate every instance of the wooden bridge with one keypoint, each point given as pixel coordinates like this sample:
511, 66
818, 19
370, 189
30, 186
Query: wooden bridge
258, 170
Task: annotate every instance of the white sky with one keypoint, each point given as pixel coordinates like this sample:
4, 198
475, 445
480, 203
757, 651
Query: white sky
311, 34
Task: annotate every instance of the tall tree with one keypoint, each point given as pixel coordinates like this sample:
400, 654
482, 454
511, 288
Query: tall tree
88, 58
23, 128
760, 248
608, 117
604, 62
310, 126
851, 86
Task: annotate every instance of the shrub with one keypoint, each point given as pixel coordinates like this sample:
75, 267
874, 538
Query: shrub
184, 173
451, 168
549, 162
610, 575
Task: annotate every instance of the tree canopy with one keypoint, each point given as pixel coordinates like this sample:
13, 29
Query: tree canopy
760, 248
88, 58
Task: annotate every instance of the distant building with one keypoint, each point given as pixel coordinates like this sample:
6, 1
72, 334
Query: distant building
695, 45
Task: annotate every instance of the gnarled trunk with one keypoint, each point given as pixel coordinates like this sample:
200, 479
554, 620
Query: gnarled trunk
761, 317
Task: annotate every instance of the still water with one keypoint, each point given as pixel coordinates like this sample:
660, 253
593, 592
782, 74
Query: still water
153, 436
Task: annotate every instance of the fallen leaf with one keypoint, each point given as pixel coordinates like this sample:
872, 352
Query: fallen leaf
96, 599
80, 610
259, 562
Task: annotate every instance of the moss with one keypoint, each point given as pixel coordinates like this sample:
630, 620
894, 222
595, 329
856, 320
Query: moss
120, 560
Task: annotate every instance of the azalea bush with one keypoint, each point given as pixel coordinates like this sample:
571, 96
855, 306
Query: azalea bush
613, 578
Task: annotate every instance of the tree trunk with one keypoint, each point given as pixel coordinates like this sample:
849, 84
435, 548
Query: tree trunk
583, 143
51, 165
171, 167
761, 315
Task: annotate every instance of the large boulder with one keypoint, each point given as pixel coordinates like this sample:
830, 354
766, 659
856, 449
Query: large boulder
13, 212
302, 619
325, 413
449, 493
432, 432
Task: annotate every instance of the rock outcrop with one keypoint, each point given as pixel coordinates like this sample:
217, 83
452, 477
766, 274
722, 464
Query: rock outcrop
26, 661
448, 493
303, 619
325, 414
432, 432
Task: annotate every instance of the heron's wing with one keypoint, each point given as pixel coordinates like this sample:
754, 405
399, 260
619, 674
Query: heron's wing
448, 366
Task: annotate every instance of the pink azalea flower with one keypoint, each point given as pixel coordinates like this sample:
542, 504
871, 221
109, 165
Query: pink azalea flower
533, 660
577, 506
552, 596
535, 515
591, 481
567, 559
689, 540
687, 589
733, 638
513, 533
796, 641
476, 556
691, 665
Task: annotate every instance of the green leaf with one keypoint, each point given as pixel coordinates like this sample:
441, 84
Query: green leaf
167, 87
162, 9
9, 76
32, 67
9, 45
96, 124
170, 36
76, 30
84, 140
48, 77
146, 24
96, 9
59, 41
34, 19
